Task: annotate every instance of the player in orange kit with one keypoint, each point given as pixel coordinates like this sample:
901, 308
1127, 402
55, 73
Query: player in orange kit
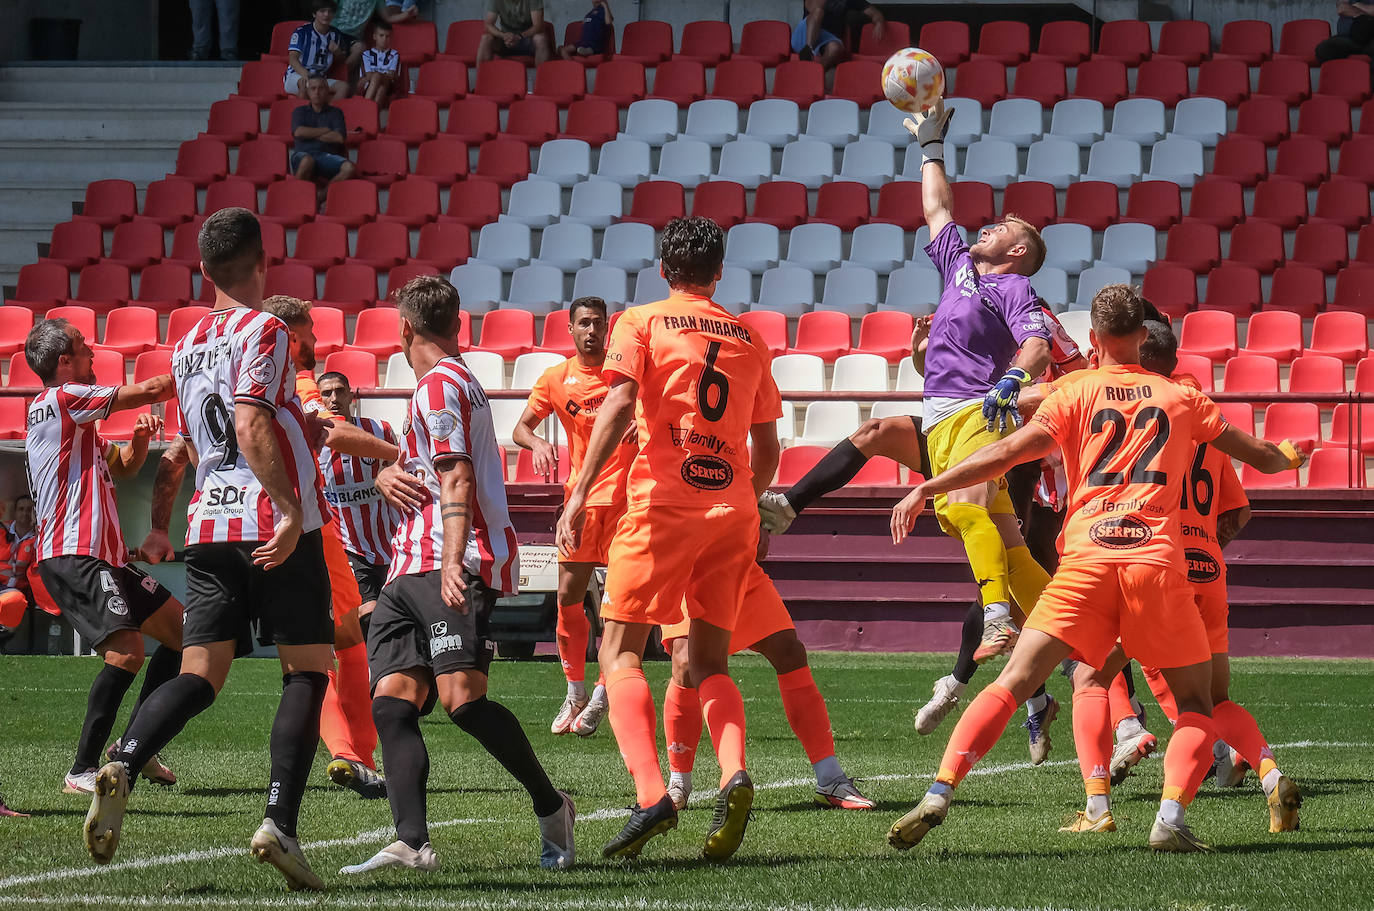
698, 382
1128, 439
574, 391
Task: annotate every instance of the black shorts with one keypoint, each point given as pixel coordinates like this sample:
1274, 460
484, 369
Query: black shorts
225, 593
370, 576
921, 444
99, 599
524, 47
412, 628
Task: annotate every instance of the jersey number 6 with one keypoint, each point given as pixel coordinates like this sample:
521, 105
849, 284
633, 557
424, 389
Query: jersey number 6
711, 378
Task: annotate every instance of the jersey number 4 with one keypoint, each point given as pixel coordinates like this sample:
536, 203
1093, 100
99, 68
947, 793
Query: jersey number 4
1114, 422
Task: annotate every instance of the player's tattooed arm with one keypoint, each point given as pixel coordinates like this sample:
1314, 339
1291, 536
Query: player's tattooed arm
545, 459
171, 469
456, 484
1230, 523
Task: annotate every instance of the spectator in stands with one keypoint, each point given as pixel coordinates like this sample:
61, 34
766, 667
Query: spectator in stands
381, 67
515, 28
203, 15
318, 129
312, 50
23, 544
595, 26
820, 33
401, 11
1354, 33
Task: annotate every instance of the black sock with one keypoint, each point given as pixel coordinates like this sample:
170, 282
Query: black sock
163, 665
102, 705
162, 717
1039, 692
1130, 680
832, 472
972, 635
498, 731
407, 766
295, 733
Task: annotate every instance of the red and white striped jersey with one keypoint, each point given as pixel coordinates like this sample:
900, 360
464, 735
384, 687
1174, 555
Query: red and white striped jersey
449, 415
366, 521
70, 479
232, 356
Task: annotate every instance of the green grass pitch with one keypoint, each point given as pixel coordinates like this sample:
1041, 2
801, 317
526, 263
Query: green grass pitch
187, 846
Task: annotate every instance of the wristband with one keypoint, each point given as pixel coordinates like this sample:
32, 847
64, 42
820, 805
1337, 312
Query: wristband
933, 151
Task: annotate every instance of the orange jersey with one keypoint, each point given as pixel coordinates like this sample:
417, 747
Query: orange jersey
575, 393
1212, 488
1128, 439
704, 380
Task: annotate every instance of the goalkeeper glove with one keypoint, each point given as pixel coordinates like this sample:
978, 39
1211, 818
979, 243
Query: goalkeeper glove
929, 128
999, 405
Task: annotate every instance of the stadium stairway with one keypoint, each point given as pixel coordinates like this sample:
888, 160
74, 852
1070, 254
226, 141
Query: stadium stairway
62, 127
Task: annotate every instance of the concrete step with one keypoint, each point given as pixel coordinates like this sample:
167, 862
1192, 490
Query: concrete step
115, 85
49, 122
140, 172
82, 151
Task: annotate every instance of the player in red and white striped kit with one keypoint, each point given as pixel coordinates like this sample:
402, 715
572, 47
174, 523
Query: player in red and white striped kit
253, 544
429, 639
81, 554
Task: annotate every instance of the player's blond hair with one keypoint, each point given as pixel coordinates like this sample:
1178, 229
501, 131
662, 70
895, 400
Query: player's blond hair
290, 310
1035, 246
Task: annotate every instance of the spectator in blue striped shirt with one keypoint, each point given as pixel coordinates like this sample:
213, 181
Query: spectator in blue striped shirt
312, 51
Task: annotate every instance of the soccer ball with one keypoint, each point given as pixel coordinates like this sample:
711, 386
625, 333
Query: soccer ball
913, 80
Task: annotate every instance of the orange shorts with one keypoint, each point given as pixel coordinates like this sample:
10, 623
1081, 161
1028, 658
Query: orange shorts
1215, 608
1149, 608
663, 555
761, 615
597, 533
343, 585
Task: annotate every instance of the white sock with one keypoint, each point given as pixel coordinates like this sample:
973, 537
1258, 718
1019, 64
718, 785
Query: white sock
828, 771
1128, 728
1037, 704
1097, 805
1271, 781
1171, 812
1220, 750
996, 611
599, 694
954, 685
577, 689
681, 778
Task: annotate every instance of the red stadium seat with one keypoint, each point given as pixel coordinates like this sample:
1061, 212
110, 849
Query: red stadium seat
383, 161
1342, 202
1263, 117
886, 333
1322, 245
572, 34
1217, 201
593, 120
130, 330
41, 285
261, 161
1242, 159
1256, 244
771, 328
181, 322
802, 81
233, 121
795, 461
320, 244
503, 161
349, 288
899, 203
1234, 289
473, 203
149, 364
164, 287
555, 337
1347, 78
1157, 203
462, 39
1186, 41
680, 81
1274, 334
1041, 80
501, 81
1364, 245
525, 473
1200, 368
329, 329
560, 81
981, 79
896, 35
861, 81
1101, 79
443, 245
1364, 375
1032, 200
350, 202
1297, 289
722, 201
1171, 288
281, 39
416, 42
442, 161
1299, 38
843, 203
1209, 333
1298, 422
473, 120
1343, 335
1004, 40
362, 118
202, 161
172, 200
1335, 466
185, 251
82, 319
1328, 119
1303, 158
109, 202
740, 81
656, 202
15, 323
1354, 290
120, 424
412, 202
1126, 41
442, 81
103, 287
76, 243
1093, 203
646, 42
1162, 79
1285, 78
279, 117
766, 42
376, 332
1066, 42
824, 333
1254, 479
707, 42
1193, 244
973, 203
947, 40
413, 120
1353, 430
261, 82
359, 366
229, 193
1251, 374
21, 374
1228, 80
509, 333
136, 244
397, 276
294, 279
290, 203
1355, 162
380, 244
1280, 202
879, 471
1248, 40
781, 203
1318, 374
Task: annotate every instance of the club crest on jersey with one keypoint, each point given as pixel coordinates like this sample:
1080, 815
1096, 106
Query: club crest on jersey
1121, 533
263, 370
441, 424
1202, 567
116, 606
707, 472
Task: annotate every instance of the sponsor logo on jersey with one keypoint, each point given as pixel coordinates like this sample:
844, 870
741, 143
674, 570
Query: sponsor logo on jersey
1121, 533
707, 472
682, 436
116, 606
263, 370
441, 424
226, 496
440, 641
1202, 566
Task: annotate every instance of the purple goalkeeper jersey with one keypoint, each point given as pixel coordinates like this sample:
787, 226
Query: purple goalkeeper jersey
980, 324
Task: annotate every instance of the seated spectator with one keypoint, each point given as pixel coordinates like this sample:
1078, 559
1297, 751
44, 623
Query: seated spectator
1354, 33
318, 129
401, 11
595, 26
515, 28
312, 51
820, 33
22, 539
381, 67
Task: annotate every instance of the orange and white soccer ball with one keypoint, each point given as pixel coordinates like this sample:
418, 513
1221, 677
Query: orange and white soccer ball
913, 80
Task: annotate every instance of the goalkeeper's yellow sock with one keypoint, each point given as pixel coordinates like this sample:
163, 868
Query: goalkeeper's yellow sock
1026, 577
986, 555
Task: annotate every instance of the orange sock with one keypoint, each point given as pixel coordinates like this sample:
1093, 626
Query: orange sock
355, 701
572, 632
804, 706
723, 708
12, 607
1237, 727
1188, 757
977, 732
1092, 737
334, 724
1119, 698
632, 721
1163, 695
681, 726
